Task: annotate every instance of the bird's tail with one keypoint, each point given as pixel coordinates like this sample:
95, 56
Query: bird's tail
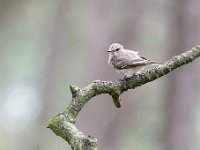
153, 63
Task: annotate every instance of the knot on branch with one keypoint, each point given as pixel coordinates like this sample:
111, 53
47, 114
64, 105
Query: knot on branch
117, 100
87, 143
74, 90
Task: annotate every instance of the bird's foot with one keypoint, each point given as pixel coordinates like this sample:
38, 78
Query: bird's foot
124, 79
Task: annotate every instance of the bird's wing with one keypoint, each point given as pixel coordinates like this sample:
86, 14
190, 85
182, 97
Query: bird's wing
127, 63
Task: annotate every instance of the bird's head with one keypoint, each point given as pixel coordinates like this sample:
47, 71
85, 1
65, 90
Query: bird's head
115, 48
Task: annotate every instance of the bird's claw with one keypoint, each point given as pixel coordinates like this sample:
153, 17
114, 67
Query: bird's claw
123, 79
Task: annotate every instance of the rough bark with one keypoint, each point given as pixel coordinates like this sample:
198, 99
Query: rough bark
63, 124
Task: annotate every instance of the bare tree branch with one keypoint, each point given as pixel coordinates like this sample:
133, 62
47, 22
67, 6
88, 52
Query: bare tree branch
63, 124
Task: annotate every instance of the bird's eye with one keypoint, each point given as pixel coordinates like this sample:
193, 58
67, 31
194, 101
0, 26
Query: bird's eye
117, 49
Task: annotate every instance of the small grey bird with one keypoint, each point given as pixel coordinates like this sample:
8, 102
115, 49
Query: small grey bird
127, 62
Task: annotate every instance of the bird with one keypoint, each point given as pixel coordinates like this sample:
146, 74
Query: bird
128, 62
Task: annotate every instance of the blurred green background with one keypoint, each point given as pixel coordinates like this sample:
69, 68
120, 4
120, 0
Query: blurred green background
47, 45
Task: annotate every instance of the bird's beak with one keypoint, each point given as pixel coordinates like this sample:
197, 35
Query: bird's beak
108, 50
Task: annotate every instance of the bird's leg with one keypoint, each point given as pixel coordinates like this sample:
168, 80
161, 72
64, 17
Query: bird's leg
136, 74
125, 78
